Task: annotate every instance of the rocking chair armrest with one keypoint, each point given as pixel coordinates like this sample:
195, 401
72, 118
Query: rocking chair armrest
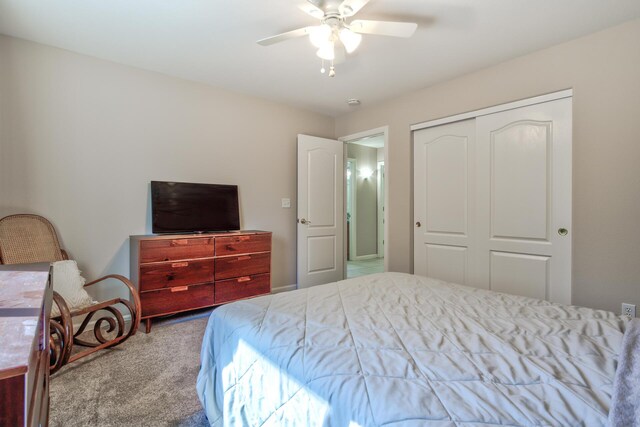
132, 290
63, 308
62, 327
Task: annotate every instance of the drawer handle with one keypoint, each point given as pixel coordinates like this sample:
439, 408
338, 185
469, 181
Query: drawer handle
179, 264
244, 279
181, 242
243, 238
244, 258
179, 289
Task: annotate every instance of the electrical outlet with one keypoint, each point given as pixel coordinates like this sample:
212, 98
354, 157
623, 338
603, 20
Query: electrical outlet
628, 310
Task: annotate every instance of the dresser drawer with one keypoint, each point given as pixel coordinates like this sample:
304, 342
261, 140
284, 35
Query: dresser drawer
242, 265
242, 287
157, 250
178, 273
232, 245
172, 300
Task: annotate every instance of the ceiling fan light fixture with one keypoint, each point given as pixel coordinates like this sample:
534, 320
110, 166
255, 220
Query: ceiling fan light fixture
336, 26
320, 35
350, 40
327, 51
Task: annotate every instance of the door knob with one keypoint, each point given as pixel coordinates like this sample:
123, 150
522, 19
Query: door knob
563, 231
418, 224
304, 221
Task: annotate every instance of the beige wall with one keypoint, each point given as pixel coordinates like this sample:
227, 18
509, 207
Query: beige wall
604, 71
366, 200
88, 135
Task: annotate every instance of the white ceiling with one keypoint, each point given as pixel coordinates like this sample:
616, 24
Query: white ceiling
213, 41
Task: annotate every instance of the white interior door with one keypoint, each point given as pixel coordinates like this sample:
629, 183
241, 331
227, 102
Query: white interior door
444, 177
524, 201
320, 211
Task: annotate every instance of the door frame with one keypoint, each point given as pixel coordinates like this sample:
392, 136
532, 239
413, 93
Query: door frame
381, 208
353, 241
384, 131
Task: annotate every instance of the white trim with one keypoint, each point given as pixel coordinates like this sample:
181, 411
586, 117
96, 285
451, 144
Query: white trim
285, 288
383, 130
353, 243
380, 208
364, 134
567, 93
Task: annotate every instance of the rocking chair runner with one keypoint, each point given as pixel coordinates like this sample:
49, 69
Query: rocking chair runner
30, 239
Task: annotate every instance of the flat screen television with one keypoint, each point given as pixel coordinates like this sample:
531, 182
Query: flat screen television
181, 207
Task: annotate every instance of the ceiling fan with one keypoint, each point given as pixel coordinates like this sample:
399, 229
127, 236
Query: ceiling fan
335, 29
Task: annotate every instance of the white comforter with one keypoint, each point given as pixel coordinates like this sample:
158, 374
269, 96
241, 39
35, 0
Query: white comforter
402, 350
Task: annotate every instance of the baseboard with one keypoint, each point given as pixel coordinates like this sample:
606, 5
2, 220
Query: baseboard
365, 257
286, 288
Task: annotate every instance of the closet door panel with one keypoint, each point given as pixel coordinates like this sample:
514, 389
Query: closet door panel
446, 205
523, 200
519, 180
448, 263
520, 274
444, 174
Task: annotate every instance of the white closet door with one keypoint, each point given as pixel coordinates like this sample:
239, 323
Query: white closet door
523, 201
444, 175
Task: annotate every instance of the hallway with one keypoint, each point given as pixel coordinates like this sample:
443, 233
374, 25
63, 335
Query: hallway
364, 267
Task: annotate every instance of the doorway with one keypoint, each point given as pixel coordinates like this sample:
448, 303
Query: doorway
365, 203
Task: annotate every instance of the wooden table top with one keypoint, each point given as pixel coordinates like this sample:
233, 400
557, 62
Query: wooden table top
22, 290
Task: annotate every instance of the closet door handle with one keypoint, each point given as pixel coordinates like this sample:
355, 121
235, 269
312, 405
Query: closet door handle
418, 224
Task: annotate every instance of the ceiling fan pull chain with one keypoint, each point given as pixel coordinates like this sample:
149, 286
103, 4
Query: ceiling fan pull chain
322, 70
332, 70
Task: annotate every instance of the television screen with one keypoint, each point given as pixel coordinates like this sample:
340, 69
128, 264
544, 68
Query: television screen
180, 207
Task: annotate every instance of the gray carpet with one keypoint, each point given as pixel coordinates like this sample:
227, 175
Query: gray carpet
149, 380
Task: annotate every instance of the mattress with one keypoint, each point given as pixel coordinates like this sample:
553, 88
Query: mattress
400, 350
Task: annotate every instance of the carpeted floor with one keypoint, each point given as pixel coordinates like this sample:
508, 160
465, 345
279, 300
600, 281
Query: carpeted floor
149, 380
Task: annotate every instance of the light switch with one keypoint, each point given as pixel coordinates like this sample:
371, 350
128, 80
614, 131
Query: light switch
286, 203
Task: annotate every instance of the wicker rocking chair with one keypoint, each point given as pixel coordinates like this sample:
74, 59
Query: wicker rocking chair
32, 238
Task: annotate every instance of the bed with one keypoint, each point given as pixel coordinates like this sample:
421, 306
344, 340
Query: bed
395, 349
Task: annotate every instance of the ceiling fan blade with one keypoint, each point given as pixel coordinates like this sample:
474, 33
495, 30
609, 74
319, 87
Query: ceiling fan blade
351, 7
284, 36
384, 28
311, 10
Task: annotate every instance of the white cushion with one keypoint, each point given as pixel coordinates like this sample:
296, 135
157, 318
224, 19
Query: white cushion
68, 282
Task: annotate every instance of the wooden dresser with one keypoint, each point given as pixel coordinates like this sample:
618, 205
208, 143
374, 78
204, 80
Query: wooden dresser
175, 273
25, 307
